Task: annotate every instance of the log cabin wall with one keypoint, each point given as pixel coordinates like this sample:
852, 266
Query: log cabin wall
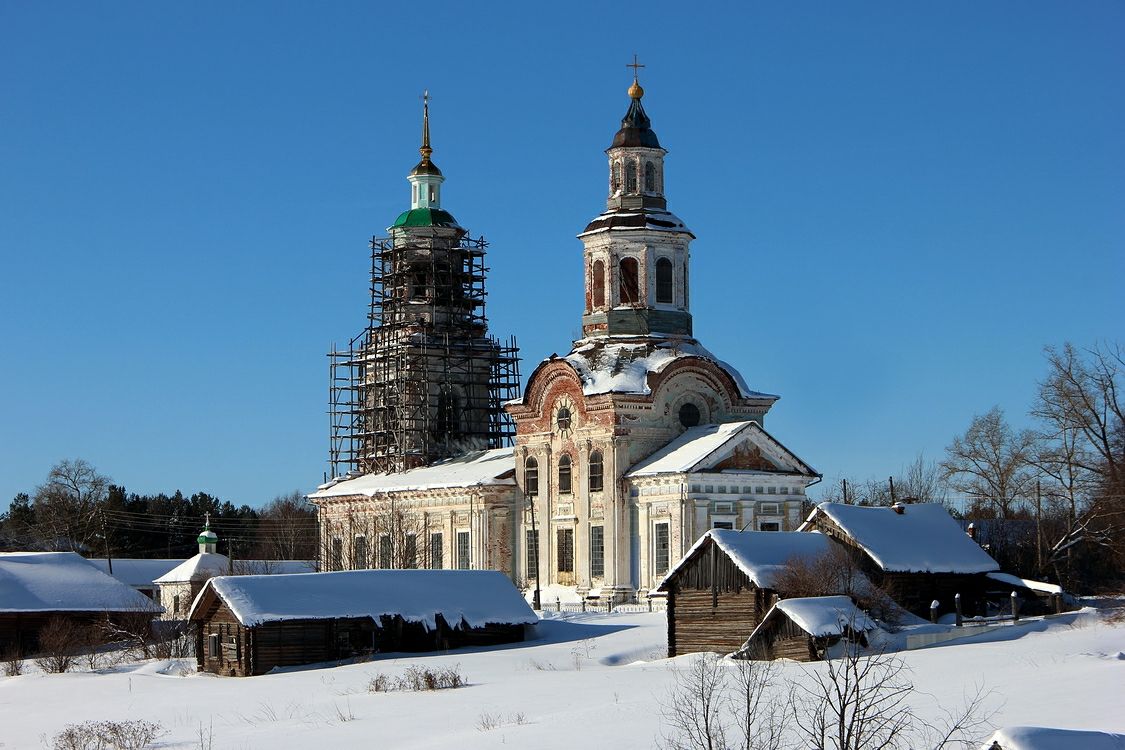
222, 643
712, 605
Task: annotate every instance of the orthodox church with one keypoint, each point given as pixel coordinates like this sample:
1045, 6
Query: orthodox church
626, 450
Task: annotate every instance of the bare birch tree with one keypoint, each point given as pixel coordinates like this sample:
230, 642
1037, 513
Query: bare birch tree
992, 462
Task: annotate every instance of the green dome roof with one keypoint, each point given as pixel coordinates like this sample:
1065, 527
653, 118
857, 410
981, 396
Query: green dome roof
207, 537
425, 217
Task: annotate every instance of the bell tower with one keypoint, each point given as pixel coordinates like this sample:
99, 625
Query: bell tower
636, 252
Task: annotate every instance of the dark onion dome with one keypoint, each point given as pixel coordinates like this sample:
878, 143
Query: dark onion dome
425, 217
636, 128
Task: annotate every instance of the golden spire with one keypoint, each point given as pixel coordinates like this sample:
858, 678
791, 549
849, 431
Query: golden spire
425, 150
635, 91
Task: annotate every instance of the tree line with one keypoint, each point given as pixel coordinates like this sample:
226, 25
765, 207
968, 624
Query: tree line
1048, 501
79, 509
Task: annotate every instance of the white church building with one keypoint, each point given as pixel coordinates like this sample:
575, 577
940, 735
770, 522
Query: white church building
627, 449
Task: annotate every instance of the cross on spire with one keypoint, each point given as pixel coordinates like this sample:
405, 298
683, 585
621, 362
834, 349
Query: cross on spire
426, 150
635, 66
207, 520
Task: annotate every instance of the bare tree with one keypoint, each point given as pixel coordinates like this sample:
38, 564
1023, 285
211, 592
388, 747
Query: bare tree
992, 462
287, 527
922, 480
66, 505
694, 709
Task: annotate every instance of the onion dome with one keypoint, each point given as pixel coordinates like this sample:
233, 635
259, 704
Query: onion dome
207, 537
425, 217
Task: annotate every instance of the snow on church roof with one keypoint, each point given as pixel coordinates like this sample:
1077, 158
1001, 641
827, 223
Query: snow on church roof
491, 467
202, 566
477, 597
761, 555
624, 366
63, 582
923, 538
698, 445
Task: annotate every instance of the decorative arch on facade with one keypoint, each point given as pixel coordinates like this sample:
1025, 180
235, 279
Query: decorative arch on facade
549, 378
710, 374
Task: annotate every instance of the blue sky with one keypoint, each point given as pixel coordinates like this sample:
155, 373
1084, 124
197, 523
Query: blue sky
897, 206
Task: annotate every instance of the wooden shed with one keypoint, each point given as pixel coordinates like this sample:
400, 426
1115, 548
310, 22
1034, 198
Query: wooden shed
248, 625
804, 629
723, 587
916, 552
36, 587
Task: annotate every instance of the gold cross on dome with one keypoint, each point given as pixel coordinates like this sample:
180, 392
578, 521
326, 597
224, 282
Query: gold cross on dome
635, 66
207, 520
425, 96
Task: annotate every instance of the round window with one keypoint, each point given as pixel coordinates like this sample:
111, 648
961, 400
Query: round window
689, 415
563, 418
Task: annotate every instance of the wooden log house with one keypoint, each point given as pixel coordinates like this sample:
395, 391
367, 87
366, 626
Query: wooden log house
916, 552
248, 625
806, 628
726, 583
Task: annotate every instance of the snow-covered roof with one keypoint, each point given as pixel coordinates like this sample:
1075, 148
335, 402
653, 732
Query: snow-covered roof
632, 220
622, 365
761, 555
491, 467
199, 568
136, 571
1051, 738
1027, 583
923, 538
63, 582
477, 597
699, 447
822, 616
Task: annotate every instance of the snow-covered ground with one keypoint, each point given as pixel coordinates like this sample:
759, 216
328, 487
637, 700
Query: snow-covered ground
588, 681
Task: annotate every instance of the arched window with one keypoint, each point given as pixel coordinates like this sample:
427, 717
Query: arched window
630, 175
531, 477
615, 178
448, 413
664, 281
629, 288
596, 471
650, 177
564, 474
597, 284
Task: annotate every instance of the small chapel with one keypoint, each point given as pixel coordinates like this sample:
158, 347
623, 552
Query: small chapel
615, 458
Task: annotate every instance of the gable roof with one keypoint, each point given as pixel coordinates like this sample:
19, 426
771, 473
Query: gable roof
198, 568
820, 616
701, 447
479, 468
63, 582
761, 555
924, 538
477, 597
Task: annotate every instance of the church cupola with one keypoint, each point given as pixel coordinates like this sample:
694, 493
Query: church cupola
208, 540
636, 251
425, 179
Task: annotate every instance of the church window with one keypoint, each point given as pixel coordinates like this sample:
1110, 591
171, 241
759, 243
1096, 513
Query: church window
448, 414
661, 548
531, 565
565, 550
597, 283
664, 281
689, 415
630, 175
769, 526
337, 560
385, 548
531, 477
562, 419
629, 286
463, 559
650, 177
359, 556
597, 551
437, 561
616, 184
410, 551
564, 474
596, 471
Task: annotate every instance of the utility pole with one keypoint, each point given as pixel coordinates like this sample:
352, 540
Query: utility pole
1038, 529
892, 481
845, 491
535, 603
105, 538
